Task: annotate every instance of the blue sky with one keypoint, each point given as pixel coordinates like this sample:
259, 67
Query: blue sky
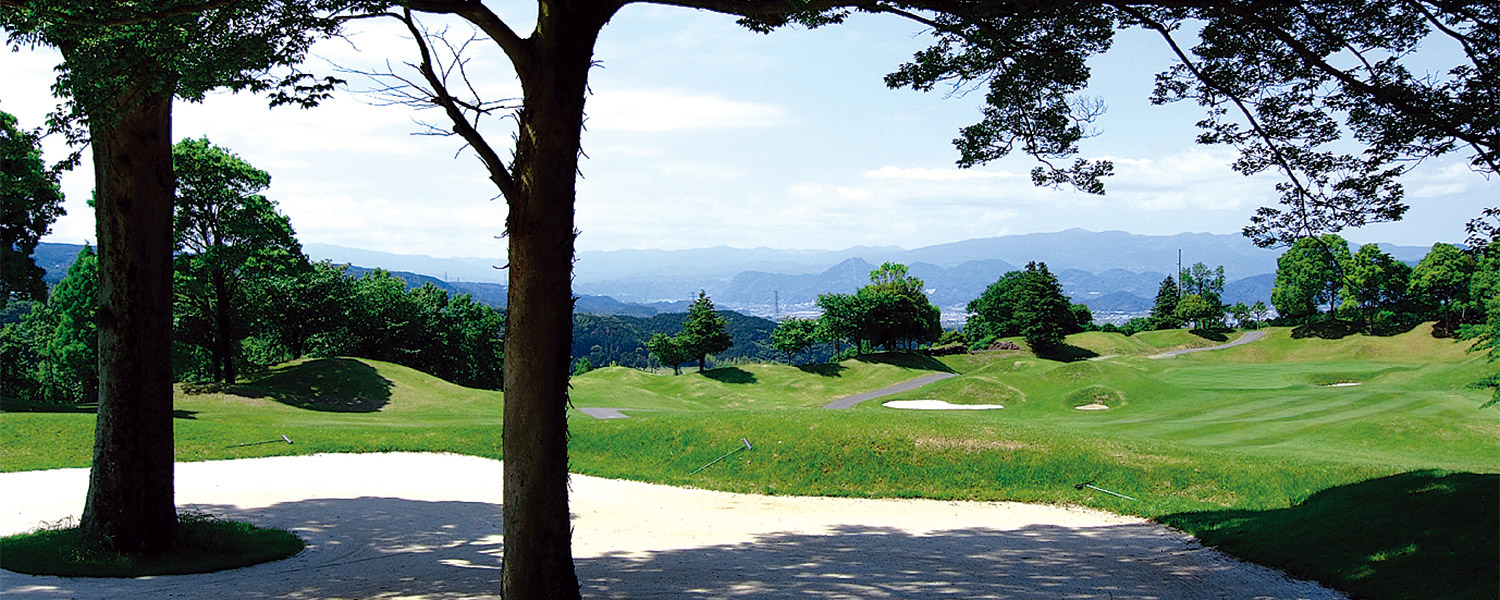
702, 134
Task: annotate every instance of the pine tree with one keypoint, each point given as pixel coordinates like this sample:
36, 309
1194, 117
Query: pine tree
704, 332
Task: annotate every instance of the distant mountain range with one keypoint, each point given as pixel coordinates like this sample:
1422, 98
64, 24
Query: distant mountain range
1111, 271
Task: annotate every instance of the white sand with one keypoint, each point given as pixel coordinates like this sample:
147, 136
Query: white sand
1094, 406
1344, 384
938, 405
426, 526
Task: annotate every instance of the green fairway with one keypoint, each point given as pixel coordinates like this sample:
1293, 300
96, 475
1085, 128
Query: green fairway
1226, 444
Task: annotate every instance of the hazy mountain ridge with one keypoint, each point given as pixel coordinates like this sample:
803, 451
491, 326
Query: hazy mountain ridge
1111, 271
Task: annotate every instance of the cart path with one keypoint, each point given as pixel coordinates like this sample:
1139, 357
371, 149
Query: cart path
850, 401
1247, 338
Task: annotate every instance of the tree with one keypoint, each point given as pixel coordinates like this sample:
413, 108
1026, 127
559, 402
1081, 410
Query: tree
31, 199
1028, 303
1260, 312
670, 351
1309, 274
1241, 314
794, 335
1441, 280
123, 64
992, 314
1164, 310
1033, 58
703, 331
299, 307
229, 239
1197, 310
582, 366
838, 321
70, 360
1374, 280
52, 353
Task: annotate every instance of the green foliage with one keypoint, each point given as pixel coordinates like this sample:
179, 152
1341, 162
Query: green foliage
1027, 303
1309, 274
31, 199
892, 312
1164, 310
582, 366
452, 337
669, 350
304, 311
1197, 309
794, 335
1375, 281
1441, 281
118, 54
51, 355
230, 241
704, 332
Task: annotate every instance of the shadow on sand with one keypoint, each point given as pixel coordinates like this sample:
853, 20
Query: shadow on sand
391, 547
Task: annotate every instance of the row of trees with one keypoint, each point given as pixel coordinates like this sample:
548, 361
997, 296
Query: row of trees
1320, 278
244, 295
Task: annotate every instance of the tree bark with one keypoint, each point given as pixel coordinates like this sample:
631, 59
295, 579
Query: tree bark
130, 503
223, 343
538, 561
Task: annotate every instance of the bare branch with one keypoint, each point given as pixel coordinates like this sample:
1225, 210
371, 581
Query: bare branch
516, 48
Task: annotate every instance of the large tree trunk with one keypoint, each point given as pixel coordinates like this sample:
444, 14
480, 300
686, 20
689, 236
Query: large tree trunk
223, 324
130, 506
538, 561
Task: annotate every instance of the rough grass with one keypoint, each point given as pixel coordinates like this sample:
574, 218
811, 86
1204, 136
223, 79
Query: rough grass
204, 544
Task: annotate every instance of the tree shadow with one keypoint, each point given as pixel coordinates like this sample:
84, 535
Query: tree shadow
1422, 534
1330, 329
325, 384
907, 360
824, 369
869, 561
1067, 353
1214, 335
14, 405
730, 375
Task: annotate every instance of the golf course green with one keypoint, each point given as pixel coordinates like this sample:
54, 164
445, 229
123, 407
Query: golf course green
1363, 462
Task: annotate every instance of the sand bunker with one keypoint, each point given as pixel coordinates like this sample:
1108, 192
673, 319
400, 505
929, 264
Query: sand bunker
428, 526
1094, 406
1343, 384
938, 405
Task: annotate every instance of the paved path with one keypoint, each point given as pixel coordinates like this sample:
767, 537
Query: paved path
1247, 338
603, 413
849, 401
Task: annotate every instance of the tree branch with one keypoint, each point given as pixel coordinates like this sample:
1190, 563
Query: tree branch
1381, 95
499, 172
518, 49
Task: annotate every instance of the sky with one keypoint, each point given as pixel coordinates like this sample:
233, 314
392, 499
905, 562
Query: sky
701, 133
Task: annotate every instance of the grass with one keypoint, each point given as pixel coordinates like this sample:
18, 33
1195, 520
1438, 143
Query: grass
204, 544
1227, 445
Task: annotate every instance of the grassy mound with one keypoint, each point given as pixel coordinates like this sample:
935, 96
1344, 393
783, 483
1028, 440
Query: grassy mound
204, 544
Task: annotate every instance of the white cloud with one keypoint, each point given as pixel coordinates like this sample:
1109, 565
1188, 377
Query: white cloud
921, 174
671, 110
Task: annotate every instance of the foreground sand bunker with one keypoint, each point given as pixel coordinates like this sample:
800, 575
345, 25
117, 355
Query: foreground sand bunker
427, 526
